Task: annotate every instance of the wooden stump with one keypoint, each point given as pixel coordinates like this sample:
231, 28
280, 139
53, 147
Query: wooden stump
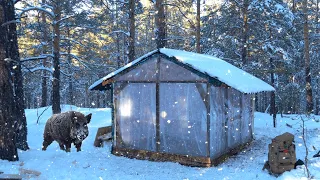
10, 177
103, 134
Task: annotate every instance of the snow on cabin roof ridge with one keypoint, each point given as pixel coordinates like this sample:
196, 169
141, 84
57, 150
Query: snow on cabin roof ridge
212, 66
221, 70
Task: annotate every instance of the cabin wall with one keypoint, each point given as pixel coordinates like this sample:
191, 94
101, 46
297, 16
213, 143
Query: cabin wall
182, 112
146, 71
230, 121
170, 71
135, 115
183, 120
218, 136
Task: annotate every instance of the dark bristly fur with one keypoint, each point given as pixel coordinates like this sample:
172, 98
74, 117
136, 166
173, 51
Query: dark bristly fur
66, 128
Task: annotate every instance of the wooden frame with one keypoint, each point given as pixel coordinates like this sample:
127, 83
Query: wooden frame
181, 159
205, 95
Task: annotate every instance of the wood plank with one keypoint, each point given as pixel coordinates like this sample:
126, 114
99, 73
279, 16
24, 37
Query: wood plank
108, 81
162, 157
10, 177
203, 94
230, 153
207, 100
196, 81
158, 107
98, 142
227, 117
113, 116
241, 117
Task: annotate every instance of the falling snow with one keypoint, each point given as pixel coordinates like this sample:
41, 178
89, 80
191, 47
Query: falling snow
99, 163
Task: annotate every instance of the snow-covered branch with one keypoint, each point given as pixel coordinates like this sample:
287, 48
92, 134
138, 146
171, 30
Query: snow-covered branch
65, 18
41, 68
36, 8
76, 57
72, 40
121, 31
10, 22
43, 56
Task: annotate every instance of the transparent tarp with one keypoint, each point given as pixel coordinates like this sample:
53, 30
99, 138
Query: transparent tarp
218, 128
144, 72
247, 114
136, 115
234, 117
183, 119
170, 71
230, 123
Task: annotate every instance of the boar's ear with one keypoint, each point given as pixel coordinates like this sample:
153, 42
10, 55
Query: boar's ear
88, 117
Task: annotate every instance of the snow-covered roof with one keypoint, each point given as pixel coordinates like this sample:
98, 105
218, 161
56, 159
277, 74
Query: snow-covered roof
212, 66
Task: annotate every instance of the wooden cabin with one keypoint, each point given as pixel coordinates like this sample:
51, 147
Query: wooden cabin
172, 105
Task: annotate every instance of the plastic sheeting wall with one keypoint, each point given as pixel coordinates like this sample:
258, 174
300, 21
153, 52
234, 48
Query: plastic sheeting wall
183, 120
234, 118
136, 116
247, 117
217, 122
144, 72
230, 120
170, 71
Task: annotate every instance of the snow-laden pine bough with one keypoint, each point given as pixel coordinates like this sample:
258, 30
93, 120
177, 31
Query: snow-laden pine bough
66, 128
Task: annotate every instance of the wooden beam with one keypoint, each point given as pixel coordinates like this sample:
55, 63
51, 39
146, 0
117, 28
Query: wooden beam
158, 107
10, 177
241, 116
160, 156
102, 131
207, 100
113, 130
108, 81
196, 81
226, 130
203, 93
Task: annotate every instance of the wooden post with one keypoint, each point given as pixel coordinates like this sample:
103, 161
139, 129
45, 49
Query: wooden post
113, 125
208, 118
227, 117
158, 106
241, 116
273, 95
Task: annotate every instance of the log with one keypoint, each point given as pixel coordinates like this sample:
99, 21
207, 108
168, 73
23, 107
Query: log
10, 177
103, 134
28, 171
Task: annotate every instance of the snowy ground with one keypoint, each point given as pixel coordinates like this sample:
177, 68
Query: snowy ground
99, 163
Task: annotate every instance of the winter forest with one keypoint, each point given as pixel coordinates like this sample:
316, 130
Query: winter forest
51, 51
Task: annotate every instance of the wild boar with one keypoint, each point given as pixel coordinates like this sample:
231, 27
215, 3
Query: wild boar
66, 128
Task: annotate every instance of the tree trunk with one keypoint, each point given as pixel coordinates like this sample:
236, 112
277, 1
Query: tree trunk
8, 150
70, 89
56, 60
198, 35
132, 8
13, 53
318, 52
273, 111
245, 30
309, 107
160, 24
44, 85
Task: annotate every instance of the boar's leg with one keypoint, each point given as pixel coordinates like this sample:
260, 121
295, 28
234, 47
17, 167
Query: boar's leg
68, 146
78, 146
46, 142
61, 144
